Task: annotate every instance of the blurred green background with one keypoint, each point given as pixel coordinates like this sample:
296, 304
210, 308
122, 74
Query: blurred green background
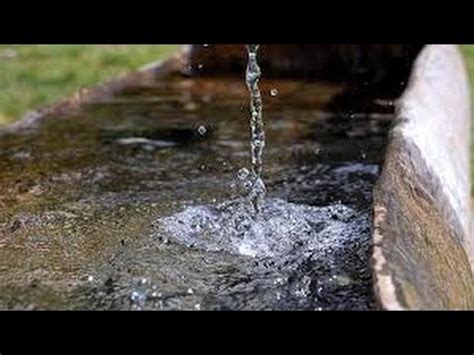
36, 75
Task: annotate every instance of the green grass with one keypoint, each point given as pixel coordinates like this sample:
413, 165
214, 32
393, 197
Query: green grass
468, 51
36, 75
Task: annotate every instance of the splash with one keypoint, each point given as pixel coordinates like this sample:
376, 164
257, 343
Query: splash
284, 231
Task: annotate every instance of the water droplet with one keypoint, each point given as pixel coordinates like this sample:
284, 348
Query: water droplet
202, 130
243, 174
273, 92
341, 280
90, 278
364, 155
190, 106
138, 299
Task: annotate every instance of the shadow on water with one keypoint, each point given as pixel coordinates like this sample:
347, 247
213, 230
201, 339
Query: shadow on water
132, 202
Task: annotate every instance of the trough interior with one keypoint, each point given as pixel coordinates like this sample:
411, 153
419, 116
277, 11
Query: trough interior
106, 203
380, 69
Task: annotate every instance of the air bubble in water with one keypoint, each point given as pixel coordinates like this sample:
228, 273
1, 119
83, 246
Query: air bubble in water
273, 92
243, 174
202, 130
247, 185
138, 299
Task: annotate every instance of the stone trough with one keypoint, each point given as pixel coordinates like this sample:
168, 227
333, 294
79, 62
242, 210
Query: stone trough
86, 182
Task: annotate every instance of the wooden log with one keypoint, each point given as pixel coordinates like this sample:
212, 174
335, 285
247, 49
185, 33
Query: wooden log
422, 200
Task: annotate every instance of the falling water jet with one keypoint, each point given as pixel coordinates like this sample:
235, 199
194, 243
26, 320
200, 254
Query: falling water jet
257, 139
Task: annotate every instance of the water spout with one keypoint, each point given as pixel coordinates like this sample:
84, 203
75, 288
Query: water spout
257, 140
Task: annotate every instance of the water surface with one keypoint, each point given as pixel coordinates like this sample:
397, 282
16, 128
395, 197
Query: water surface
132, 202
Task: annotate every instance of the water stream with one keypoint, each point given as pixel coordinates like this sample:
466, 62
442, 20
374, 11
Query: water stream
257, 138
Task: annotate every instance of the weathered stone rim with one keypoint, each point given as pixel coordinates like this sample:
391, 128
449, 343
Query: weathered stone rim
435, 99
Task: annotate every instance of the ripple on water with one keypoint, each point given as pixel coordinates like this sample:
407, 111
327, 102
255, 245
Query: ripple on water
315, 255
